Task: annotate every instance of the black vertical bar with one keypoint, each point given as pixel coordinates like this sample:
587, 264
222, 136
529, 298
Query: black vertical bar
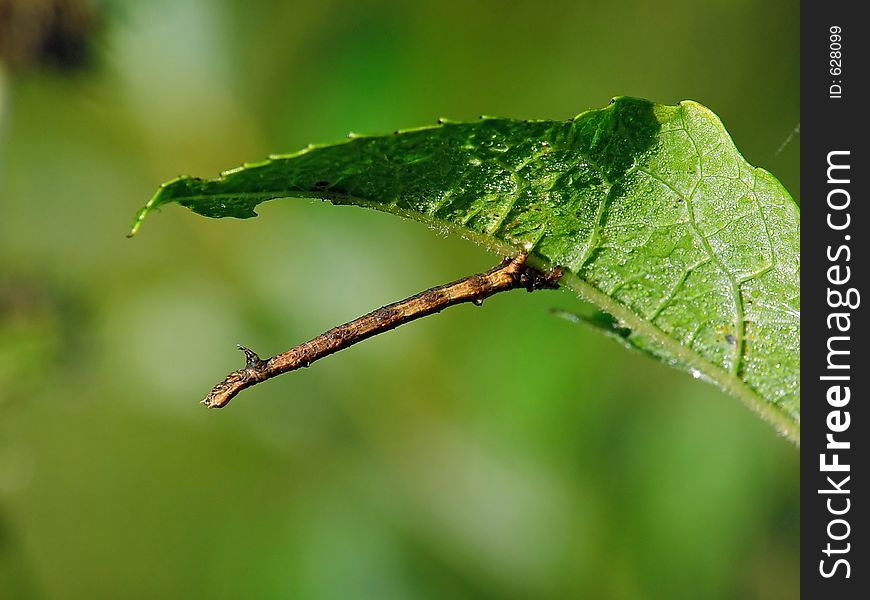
835, 231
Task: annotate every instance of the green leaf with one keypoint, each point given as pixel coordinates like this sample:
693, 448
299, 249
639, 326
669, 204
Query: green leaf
653, 213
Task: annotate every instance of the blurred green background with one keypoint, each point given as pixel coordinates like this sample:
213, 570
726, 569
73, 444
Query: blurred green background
483, 453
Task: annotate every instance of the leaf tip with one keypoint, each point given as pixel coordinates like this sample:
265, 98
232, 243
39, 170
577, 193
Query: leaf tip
137, 220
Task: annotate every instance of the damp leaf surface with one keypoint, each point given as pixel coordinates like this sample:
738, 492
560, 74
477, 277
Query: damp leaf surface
653, 213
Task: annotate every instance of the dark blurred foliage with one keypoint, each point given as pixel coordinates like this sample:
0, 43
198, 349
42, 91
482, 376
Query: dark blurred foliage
483, 453
39, 34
